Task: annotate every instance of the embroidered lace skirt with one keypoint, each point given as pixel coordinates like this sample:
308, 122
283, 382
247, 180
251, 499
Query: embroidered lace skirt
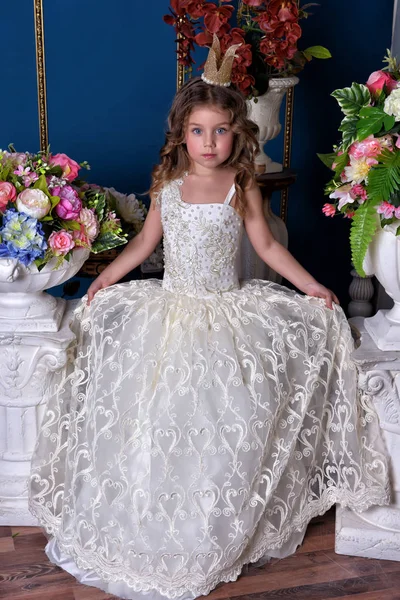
188, 437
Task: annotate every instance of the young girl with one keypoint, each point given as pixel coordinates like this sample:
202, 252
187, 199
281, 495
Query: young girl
204, 421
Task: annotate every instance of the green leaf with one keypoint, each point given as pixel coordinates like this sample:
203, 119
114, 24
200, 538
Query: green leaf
341, 161
371, 121
107, 241
70, 225
327, 159
352, 99
41, 184
363, 228
349, 128
384, 178
389, 122
317, 52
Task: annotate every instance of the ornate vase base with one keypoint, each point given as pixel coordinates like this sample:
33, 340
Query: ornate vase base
27, 313
273, 167
384, 333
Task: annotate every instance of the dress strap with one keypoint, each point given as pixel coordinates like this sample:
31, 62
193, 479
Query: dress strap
230, 195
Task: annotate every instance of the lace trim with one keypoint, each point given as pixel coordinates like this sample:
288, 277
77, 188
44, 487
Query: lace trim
92, 561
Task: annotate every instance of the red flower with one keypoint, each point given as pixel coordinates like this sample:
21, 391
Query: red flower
204, 38
195, 8
292, 32
253, 2
242, 79
216, 16
283, 9
267, 22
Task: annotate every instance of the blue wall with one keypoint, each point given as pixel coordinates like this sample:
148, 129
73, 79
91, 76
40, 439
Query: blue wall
111, 76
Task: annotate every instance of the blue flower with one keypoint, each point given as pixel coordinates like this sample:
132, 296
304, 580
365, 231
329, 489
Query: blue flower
21, 237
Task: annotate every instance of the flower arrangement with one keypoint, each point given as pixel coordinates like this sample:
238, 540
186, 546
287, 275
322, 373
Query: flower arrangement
268, 30
46, 212
366, 164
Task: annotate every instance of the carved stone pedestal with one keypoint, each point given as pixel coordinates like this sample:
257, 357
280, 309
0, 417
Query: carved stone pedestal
376, 532
26, 363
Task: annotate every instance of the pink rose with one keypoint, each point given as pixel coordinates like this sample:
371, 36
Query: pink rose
89, 220
8, 193
70, 167
70, 204
61, 242
378, 79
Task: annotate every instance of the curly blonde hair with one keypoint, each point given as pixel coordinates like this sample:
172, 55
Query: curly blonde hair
175, 159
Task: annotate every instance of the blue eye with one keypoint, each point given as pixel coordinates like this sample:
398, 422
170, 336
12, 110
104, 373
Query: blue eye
221, 130
196, 130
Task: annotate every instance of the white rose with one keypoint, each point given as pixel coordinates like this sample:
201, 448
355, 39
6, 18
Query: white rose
128, 206
33, 203
392, 104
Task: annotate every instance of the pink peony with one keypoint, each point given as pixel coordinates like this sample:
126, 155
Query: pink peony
329, 210
16, 158
378, 79
89, 220
61, 242
70, 167
8, 193
369, 148
70, 204
386, 209
397, 212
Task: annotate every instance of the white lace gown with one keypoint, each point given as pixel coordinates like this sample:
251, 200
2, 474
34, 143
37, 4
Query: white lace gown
202, 422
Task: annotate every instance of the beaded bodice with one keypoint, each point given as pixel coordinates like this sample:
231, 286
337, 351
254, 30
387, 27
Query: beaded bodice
201, 244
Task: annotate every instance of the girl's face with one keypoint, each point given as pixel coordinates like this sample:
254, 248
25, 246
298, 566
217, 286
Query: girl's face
209, 136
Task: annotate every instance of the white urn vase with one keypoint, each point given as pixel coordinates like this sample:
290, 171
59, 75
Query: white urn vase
24, 306
264, 110
383, 261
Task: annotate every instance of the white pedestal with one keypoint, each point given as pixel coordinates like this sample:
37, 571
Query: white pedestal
27, 360
376, 532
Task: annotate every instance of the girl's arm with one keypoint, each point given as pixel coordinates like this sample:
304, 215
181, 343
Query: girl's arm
274, 254
134, 253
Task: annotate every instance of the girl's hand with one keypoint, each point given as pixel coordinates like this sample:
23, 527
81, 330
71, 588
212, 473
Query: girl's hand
320, 291
98, 284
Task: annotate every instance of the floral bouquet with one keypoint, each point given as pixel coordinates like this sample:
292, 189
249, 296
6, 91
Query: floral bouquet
366, 182
46, 212
268, 31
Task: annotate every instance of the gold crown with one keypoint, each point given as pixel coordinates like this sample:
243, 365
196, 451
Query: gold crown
217, 70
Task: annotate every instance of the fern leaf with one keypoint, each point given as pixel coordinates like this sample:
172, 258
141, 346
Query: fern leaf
384, 178
362, 231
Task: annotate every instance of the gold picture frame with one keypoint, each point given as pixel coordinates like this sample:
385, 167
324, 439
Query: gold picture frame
287, 135
41, 74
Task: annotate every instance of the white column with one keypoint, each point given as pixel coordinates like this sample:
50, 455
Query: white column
376, 532
27, 361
